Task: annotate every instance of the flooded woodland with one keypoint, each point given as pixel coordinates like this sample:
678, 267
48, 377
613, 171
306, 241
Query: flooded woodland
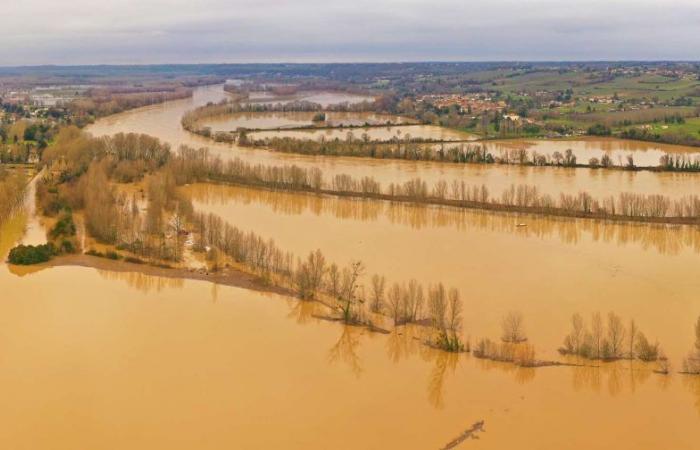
143, 361
163, 122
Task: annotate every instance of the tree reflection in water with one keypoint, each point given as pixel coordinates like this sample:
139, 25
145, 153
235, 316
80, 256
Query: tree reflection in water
521, 375
692, 383
444, 364
615, 377
143, 282
665, 239
303, 311
345, 349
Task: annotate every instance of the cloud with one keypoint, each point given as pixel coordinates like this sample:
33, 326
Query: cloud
156, 31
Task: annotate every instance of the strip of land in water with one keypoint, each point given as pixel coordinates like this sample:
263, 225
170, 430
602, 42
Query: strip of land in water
227, 277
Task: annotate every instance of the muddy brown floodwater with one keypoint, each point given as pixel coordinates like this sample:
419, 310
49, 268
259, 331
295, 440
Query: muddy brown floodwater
548, 269
113, 360
277, 119
377, 133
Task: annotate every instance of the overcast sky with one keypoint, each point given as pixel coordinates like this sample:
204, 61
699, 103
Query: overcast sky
191, 31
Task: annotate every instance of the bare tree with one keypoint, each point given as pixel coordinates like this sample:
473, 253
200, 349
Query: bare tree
177, 224
632, 337
437, 304
394, 304
310, 273
333, 284
512, 327
348, 290
576, 336
597, 333
378, 284
415, 293
616, 335
454, 317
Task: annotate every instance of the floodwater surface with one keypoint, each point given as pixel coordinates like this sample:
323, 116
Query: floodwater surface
110, 360
400, 133
547, 268
291, 119
642, 154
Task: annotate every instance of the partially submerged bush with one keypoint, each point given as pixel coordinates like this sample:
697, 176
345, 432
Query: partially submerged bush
645, 350
609, 341
519, 353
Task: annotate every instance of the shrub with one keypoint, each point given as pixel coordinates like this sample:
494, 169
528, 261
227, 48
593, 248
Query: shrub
645, 350
66, 246
599, 130
30, 254
64, 227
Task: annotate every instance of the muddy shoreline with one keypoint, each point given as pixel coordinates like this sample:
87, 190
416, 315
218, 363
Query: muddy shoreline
228, 277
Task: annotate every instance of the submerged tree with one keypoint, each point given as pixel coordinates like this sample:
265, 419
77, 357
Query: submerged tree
513, 330
348, 299
616, 336
377, 303
309, 274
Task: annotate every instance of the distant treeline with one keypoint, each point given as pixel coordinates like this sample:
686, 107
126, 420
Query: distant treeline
422, 150
111, 100
197, 165
190, 120
292, 88
624, 118
668, 137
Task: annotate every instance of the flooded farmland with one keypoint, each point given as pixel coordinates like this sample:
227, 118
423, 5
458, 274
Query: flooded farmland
163, 122
291, 119
498, 264
212, 366
141, 362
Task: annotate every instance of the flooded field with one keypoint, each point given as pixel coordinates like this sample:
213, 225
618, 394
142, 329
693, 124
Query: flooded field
382, 134
296, 119
322, 98
549, 269
644, 154
141, 362
163, 122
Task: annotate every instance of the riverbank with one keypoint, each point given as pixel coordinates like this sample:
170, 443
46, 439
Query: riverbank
228, 276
